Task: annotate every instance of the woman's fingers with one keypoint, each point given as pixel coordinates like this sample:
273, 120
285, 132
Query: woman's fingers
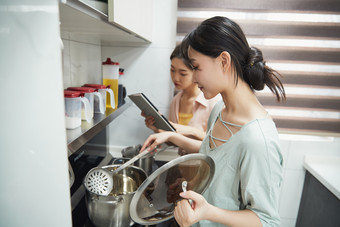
191, 195
183, 213
147, 143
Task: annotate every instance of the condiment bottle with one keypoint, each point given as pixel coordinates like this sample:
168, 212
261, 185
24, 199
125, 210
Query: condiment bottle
110, 72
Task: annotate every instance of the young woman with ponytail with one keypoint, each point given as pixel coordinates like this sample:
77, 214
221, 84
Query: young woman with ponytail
242, 138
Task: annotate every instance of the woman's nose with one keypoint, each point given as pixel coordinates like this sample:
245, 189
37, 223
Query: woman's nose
194, 77
176, 76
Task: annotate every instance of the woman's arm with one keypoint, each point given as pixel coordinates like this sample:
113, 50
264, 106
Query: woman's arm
189, 131
188, 144
187, 215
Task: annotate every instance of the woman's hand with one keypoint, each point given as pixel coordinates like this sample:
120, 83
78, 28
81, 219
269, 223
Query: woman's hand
149, 122
187, 215
156, 139
200, 209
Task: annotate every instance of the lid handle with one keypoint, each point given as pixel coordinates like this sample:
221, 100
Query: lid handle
184, 188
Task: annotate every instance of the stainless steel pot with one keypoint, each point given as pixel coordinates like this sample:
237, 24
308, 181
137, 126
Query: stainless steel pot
113, 210
144, 162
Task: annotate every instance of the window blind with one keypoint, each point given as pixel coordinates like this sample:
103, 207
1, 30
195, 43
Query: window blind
298, 38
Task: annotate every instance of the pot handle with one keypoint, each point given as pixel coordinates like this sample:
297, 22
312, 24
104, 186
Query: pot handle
97, 200
71, 174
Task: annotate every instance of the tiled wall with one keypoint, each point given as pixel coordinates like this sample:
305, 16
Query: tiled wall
81, 60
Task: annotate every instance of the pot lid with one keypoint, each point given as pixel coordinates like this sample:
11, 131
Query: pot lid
155, 199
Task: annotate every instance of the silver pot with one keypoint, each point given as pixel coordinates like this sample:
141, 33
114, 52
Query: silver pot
113, 210
144, 162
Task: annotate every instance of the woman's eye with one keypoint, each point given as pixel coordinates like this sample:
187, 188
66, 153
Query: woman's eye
194, 67
183, 74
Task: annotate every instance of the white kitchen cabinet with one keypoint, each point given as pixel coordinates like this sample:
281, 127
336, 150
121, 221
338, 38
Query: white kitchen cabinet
129, 22
133, 15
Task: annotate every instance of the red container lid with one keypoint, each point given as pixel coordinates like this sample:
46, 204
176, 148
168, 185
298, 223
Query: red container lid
109, 62
82, 89
71, 94
96, 86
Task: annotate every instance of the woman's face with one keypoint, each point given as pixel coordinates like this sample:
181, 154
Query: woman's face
181, 75
207, 73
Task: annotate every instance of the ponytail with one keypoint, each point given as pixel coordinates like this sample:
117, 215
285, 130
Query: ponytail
257, 74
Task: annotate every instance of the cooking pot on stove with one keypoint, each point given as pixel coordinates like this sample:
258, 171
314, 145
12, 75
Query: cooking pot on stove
113, 210
154, 200
146, 162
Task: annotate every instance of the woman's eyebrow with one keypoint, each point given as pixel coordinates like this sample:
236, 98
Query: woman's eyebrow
183, 70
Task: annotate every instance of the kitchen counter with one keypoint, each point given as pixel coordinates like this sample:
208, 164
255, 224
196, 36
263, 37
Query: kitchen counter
325, 169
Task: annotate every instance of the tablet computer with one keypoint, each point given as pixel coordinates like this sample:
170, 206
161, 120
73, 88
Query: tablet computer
145, 105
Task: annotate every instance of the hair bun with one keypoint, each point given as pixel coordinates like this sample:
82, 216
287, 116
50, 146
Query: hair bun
254, 70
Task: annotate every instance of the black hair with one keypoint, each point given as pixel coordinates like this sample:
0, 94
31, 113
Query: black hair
181, 52
218, 34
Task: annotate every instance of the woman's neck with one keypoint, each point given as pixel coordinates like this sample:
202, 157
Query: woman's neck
241, 104
191, 91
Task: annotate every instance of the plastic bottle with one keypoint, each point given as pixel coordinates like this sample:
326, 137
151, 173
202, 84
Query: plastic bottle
110, 71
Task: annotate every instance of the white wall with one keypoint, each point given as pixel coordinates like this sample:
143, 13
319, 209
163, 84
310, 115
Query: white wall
81, 60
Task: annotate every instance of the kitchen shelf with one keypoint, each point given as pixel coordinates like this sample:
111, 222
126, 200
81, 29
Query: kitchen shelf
80, 19
79, 136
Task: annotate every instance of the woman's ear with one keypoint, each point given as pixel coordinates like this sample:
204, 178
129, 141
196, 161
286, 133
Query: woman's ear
225, 59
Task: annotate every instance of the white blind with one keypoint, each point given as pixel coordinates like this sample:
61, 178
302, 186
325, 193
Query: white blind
298, 38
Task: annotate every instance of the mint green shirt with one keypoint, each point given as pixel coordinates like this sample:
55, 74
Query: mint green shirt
248, 170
